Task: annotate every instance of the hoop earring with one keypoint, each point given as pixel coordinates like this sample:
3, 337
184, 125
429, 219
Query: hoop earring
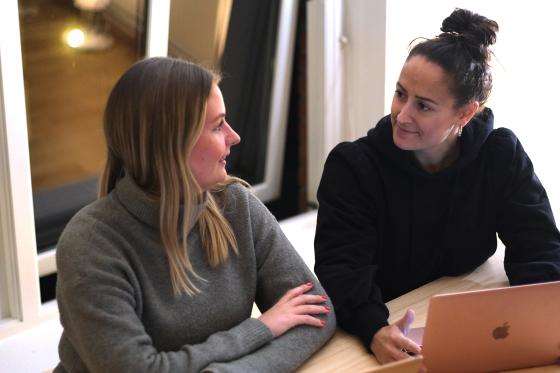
460, 132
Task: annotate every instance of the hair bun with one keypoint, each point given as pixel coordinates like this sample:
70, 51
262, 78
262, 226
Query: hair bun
475, 28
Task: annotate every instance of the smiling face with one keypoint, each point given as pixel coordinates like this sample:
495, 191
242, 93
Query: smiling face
207, 160
423, 113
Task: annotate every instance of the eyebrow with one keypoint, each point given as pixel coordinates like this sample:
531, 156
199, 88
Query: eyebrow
400, 86
219, 116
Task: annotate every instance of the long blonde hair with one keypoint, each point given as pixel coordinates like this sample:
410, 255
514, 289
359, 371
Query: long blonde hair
154, 116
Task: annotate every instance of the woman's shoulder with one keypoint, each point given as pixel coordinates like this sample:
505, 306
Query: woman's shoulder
90, 233
503, 144
376, 144
238, 188
236, 192
505, 156
238, 199
343, 151
87, 220
353, 162
348, 158
106, 211
503, 135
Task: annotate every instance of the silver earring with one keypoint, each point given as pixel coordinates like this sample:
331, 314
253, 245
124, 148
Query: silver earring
460, 132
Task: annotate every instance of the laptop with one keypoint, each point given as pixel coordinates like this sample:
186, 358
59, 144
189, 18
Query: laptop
492, 330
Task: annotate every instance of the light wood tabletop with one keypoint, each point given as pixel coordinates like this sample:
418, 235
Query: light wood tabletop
345, 353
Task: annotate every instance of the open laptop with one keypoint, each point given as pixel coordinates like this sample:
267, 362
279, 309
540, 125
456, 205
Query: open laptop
492, 330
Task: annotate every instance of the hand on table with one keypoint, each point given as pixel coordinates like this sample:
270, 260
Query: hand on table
295, 308
390, 342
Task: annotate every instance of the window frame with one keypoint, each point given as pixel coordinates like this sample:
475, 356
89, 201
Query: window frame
269, 188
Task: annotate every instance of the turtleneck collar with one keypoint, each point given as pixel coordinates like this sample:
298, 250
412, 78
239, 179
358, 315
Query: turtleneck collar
145, 207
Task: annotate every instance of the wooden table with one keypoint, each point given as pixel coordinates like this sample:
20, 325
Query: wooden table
345, 353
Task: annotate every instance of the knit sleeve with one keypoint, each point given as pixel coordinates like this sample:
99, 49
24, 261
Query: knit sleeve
525, 221
104, 332
346, 242
279, 269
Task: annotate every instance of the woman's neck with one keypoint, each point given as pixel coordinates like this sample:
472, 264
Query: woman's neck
435, 161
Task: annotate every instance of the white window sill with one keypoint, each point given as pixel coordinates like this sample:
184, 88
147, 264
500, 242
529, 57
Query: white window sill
34, 350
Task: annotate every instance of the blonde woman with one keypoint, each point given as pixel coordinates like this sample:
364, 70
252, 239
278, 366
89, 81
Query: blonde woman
161, 272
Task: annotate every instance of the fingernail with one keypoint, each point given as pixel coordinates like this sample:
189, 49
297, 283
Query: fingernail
309, 284
323, 322
324, 297
327, 308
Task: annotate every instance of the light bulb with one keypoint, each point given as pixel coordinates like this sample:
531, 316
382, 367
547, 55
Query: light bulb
75, 38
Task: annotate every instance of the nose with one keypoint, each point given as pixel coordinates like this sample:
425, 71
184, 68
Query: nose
233, 138
403, 113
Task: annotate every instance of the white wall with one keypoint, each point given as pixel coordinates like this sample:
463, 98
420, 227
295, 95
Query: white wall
364, 29
346, 75
526, 78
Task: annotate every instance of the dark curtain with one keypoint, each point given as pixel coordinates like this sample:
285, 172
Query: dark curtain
247, 67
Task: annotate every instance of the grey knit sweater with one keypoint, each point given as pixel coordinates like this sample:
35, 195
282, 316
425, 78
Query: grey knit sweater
119, 312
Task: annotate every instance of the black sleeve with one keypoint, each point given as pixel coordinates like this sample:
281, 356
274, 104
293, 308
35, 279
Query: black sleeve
346, 242
525, 221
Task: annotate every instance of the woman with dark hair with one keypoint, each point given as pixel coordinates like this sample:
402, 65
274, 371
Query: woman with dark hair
161, 272
425, 192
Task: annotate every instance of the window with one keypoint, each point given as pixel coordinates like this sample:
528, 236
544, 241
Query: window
20, 264
72, 55
19, 268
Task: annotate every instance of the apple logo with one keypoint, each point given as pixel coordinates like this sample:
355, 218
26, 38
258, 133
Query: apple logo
501, 332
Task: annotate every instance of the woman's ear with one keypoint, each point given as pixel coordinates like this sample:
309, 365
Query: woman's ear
467, 112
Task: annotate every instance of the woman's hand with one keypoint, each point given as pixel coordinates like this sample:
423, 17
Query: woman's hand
390, 342
295, 308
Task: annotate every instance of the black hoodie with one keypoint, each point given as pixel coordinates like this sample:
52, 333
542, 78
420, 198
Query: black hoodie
385, 226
